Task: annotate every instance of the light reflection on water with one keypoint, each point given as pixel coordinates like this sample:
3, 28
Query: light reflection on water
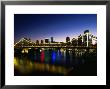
27, 67
50, 60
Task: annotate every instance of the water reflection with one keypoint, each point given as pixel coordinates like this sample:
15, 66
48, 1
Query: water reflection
58, 61
26, 66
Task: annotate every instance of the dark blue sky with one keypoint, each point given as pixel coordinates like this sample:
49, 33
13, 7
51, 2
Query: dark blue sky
59, 26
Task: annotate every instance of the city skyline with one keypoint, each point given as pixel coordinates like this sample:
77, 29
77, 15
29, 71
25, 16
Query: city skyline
53, 38
59, 26
85, 39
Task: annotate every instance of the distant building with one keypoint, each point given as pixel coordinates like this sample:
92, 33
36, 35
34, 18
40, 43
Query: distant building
94, 40
46, 40
86, 31
80, 41
87, 38
52, 40
67, 39
37, 41
74, 42
42, 41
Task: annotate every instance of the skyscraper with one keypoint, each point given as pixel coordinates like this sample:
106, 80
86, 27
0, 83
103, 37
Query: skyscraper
80, 42
42, 41
87, 38
37, 41
94, 40
46, 40
74, 42
67, 39
51, 39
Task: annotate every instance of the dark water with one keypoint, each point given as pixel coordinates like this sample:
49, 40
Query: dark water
54, 62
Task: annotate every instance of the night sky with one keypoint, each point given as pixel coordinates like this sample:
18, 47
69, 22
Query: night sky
59, 26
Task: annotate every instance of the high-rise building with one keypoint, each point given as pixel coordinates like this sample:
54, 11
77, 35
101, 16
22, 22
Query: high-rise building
86, 31
37, 41
46, 40
87, 38
94, 40
80, 41
42, 41
74, 42
67, 39
51, 39
90, 40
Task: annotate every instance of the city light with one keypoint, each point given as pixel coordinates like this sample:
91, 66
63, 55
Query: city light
59, 58
84, 40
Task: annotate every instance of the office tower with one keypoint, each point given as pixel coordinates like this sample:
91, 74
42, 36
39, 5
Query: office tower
94, 40
42, 41
74, 42
37, 41
46, 40
87, 38
51, 39
80, 41
67, 39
